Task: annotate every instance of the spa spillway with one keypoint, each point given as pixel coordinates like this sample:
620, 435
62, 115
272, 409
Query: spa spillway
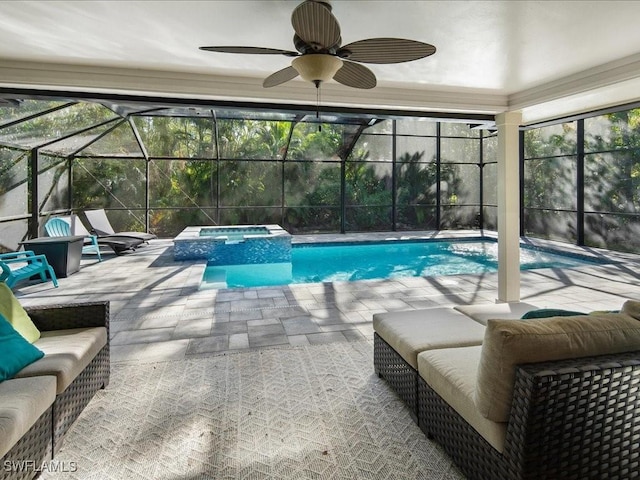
233, 245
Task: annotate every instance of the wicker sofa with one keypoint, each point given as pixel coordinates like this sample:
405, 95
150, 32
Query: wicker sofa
41, 402
551, 398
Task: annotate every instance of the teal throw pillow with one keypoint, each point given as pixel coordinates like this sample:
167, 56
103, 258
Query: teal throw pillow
550, 312
15, 352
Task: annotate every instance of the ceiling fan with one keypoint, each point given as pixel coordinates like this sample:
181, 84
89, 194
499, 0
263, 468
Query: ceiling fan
321, 57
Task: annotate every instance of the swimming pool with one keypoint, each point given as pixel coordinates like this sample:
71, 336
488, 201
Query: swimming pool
313, 263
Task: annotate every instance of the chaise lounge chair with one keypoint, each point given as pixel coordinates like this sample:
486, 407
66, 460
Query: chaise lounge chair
118, 244
30, 265
102, 227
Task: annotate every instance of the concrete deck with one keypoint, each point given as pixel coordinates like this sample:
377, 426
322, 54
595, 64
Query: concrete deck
158, 312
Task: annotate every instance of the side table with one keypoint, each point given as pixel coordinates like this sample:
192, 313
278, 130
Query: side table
63, 253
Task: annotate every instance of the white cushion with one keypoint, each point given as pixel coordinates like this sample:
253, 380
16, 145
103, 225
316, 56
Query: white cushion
413, 331
66, 354
452, 373
22, 402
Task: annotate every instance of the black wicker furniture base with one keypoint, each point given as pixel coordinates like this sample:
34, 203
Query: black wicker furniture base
26, 457
572, 419
400, 376
468, 449
70, 403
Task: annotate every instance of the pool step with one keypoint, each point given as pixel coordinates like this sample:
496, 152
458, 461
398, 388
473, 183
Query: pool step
214, 278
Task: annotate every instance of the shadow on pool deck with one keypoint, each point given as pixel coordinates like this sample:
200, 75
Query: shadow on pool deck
158, 311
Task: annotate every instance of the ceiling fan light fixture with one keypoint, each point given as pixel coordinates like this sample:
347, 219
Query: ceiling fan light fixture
319, 52
317, 67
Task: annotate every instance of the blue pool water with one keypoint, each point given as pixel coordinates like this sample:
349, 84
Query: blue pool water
351, 262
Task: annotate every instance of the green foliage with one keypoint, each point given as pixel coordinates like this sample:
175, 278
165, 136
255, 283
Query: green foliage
416, 182
108, 183
611, 177
203, 170
13, 175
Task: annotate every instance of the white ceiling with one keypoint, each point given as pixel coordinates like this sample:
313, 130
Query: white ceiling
544, 58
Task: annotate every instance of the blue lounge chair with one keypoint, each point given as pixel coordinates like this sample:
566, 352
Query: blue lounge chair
57, 227
28, 265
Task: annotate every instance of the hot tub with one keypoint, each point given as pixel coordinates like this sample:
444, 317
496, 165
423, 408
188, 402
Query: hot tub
234, 245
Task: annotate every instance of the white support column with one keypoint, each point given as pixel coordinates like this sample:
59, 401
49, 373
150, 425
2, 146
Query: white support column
508, 206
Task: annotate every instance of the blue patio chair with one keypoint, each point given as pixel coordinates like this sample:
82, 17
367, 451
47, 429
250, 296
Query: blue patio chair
58, 227
25, 265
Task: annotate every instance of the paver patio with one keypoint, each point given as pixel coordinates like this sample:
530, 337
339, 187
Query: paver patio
158, 312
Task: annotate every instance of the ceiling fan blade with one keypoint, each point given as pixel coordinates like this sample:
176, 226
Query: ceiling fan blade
386, 50
314, 23
355, 75
279, 77
252, 50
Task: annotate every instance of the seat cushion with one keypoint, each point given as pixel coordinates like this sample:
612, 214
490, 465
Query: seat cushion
413, 331
22, 402
452, 373
17, 316
15, 351
483, 312
66, 354
508, 343
632, 308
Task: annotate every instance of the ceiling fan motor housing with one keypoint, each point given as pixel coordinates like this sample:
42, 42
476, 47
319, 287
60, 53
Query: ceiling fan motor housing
317, 67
